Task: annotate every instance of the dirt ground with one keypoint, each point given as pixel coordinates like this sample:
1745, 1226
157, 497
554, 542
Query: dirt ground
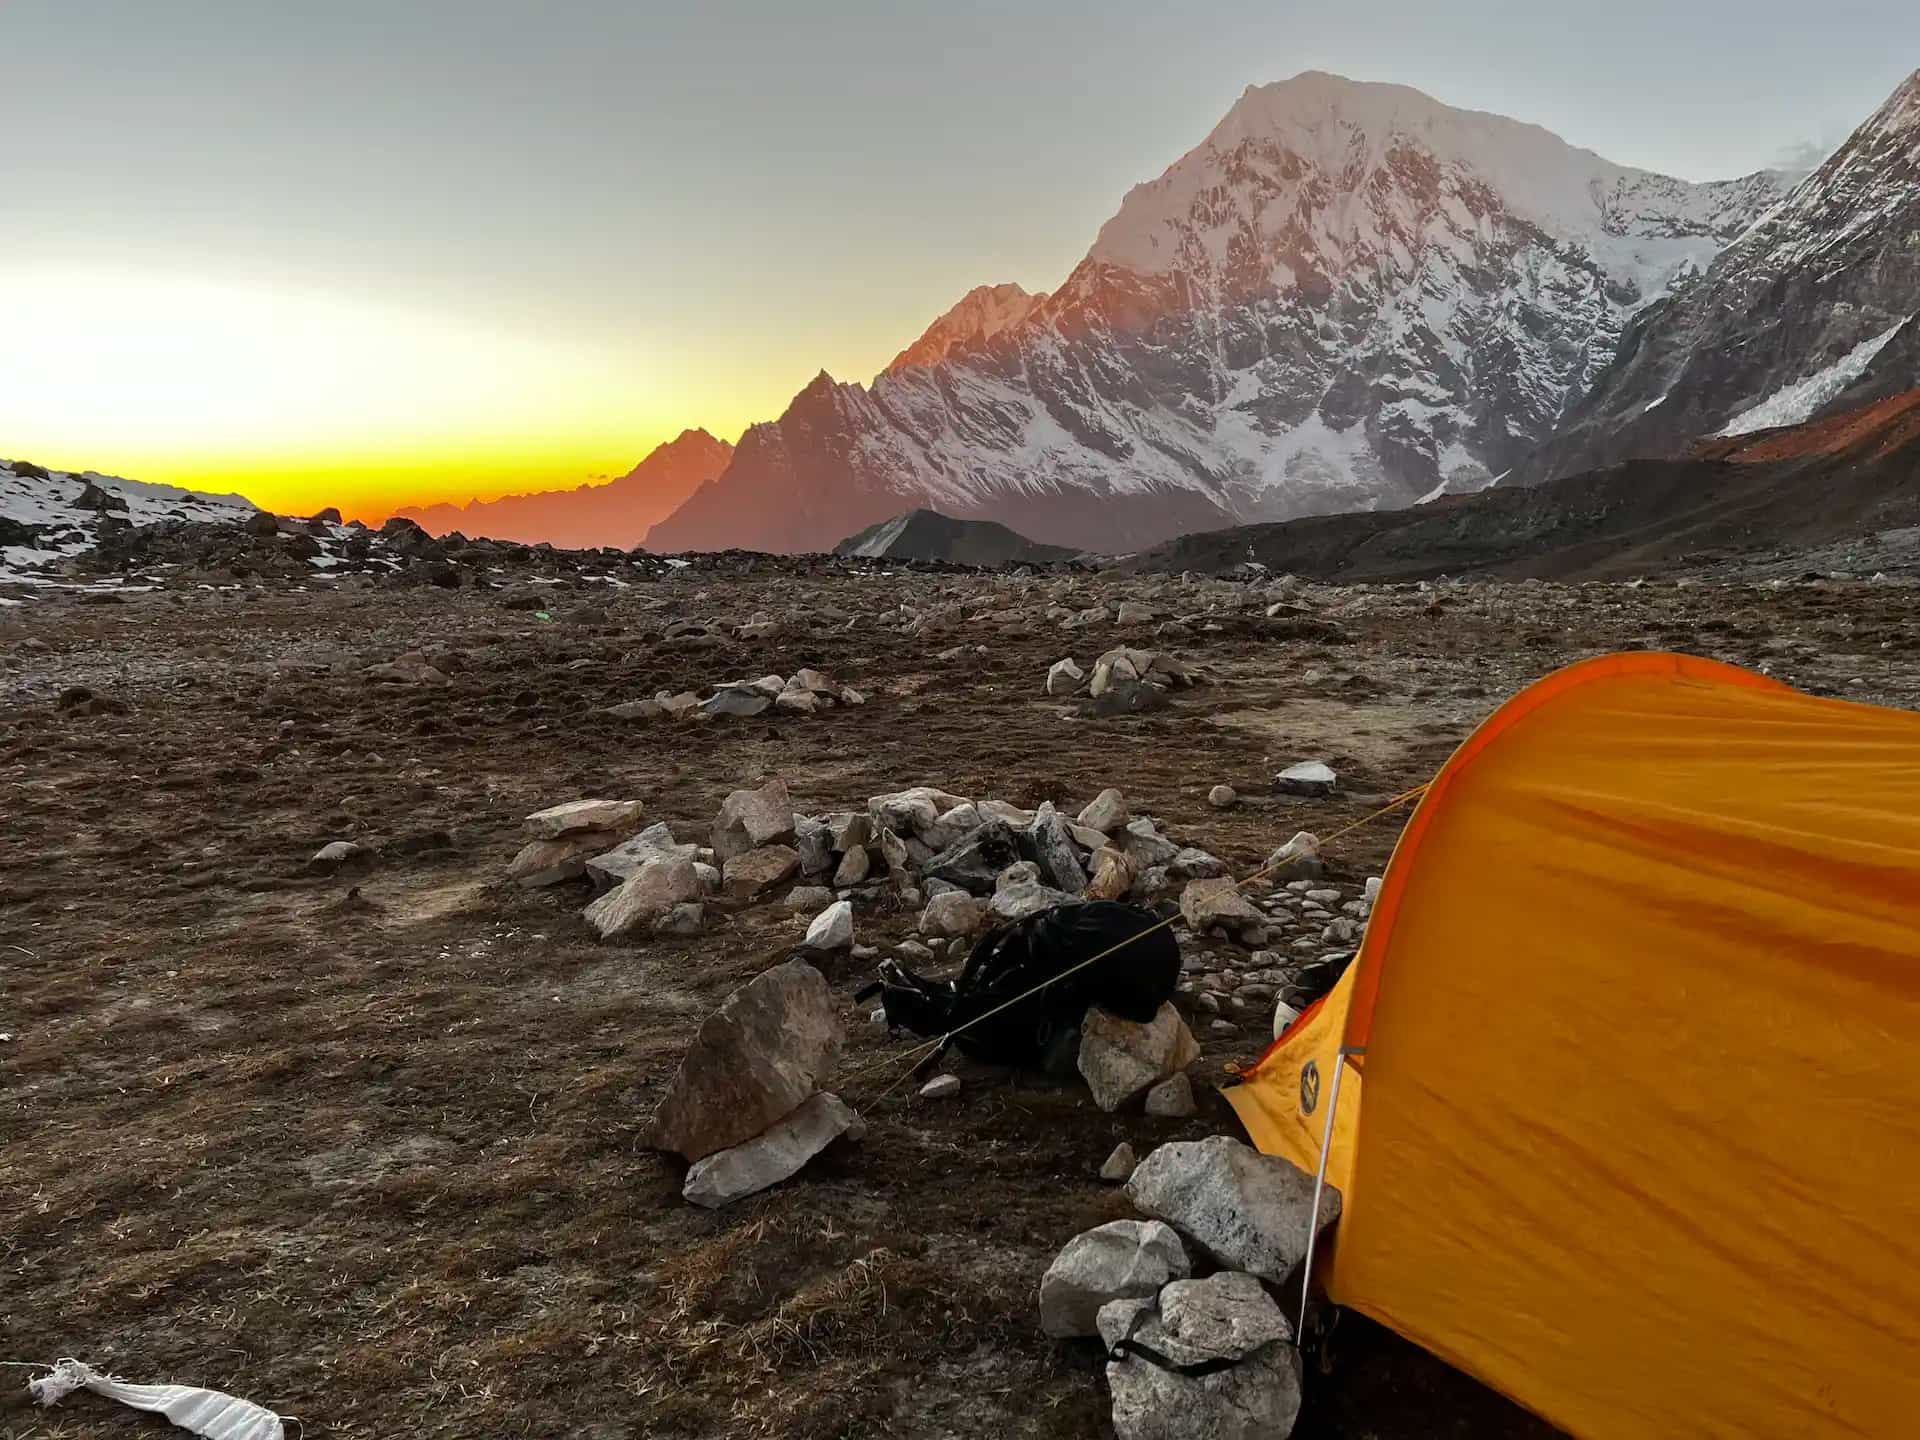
365, 1148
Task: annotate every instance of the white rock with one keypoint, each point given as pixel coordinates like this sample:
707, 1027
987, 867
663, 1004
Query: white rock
1121, 1059
1124, 1259
854, 867
652, 890
953, 912
1064, 677
1310, 777
773, 1155
832, 928
1223, 797
751, 818
940, 1087
1248, 1210
1224, 1317
1256, 1399
1106, 812
1119, 1165
1283, 1017
558, 820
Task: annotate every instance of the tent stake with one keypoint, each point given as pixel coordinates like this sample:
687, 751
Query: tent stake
1319, 1184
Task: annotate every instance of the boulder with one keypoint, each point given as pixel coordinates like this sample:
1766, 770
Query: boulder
758, 871
650, 892
1247, 1210
853, 868
1146, 845
814, 841
1064, 677
754, 1060
771, 1156
615, 816
1257, 1398
656, 842
751, 818
953, 913
1310, 777
1298, 859
803, 702
553, 862
974, 861
1052, 850
1106, 812
914, 811
849, 830
1218, 905
1121, 1059
742, 700
1224, 1317
832, 928
1016, 902
1123, 1259
1223, 797
1172, 1098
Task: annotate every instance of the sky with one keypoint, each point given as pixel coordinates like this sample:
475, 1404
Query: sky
372, 252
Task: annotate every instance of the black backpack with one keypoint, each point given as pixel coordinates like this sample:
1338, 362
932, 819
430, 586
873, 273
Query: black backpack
1133, 982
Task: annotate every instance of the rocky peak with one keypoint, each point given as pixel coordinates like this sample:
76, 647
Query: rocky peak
983, 312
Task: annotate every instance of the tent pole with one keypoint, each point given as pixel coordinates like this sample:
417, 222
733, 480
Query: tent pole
1319, 1184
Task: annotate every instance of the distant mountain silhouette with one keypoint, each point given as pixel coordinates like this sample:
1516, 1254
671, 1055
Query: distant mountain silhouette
618, 513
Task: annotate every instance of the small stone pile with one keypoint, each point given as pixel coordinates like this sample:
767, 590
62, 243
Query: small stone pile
1131, 1282
805, 692
1120, 675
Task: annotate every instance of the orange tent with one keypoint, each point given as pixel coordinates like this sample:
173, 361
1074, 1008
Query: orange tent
1636, 1026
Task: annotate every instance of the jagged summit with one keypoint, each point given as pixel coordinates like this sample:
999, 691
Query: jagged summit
983, 312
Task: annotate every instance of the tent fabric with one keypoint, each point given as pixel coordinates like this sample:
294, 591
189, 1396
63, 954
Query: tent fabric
1640, 1009
1284, 1111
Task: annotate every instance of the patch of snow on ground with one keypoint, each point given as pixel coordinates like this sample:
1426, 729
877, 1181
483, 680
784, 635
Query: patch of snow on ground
1794, 403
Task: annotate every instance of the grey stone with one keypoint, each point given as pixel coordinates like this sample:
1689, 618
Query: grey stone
1223, 797
1310, 777
751, 818
553, 862
832, 928
1172, 1098
953, 912
1016, 902
1247, 1210
1106, 812
1219, 905
656, 842
772, 1156
753, 1061
1064, 677
894, 851
558, 820
1121, 1059
1119, 1165
974, 862
1298, 859
1256, 1399
854, 867
635, 710
813, 840
760, 870
685, 918
850, 830
803, 702
1053, 851
1146, 845
1196, 864
741, 700
1224, 1317
940, 1087
1124, 1259
652, 890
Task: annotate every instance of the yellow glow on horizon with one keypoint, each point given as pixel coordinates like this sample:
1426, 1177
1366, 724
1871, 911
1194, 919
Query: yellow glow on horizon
299, 400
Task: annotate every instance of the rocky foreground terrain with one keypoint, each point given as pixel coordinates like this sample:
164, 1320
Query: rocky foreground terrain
366, 1137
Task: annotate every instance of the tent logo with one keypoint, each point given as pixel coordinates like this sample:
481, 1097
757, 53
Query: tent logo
1309, 1086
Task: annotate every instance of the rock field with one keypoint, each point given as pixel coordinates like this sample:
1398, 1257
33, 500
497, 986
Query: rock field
335, 1030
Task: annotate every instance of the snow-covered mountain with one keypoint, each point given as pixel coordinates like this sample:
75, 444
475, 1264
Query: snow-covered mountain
1348, 296
618, 512
1812, 310
983, 312
48, 515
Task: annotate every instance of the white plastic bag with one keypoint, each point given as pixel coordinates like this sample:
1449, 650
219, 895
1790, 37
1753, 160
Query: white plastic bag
212, 1413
